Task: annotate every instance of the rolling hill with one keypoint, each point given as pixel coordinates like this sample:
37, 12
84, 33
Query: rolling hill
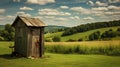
83, 35
53, 28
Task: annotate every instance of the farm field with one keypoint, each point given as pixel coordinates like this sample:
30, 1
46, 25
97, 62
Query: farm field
59, 60
86, 43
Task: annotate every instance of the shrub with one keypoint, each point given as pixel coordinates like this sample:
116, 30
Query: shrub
48, 40
56, 39
71, 40
80, 39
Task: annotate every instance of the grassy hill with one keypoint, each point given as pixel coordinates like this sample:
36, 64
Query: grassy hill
53, 28
83, 35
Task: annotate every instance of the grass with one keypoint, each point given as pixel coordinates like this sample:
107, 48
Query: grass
56, 60
95, 47
83, 35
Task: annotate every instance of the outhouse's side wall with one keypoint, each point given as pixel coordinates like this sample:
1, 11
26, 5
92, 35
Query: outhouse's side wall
21, 38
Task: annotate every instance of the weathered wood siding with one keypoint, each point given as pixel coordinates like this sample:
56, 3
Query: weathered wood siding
21, 38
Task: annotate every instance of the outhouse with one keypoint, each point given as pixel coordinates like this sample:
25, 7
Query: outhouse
29, 36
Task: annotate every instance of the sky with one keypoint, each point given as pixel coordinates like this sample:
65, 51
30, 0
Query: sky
60, 12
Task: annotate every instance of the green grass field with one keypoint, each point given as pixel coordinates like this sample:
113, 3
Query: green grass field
83, 35
56, 60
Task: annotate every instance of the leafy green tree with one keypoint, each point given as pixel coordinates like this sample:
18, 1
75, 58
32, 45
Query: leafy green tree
90, 26
118, 29
56, 39
8, 33
109, 34
94, 36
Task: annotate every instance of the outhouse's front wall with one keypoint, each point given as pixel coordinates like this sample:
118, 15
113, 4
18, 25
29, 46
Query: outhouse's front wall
33, 41
21, 38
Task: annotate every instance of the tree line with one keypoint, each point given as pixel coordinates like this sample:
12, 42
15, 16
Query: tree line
7, 34
90, 26
105, 35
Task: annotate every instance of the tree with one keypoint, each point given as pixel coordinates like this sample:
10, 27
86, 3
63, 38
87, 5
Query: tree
94, 36
8, 33
9, 28
118, 29
56, 39
109, 34
90, 26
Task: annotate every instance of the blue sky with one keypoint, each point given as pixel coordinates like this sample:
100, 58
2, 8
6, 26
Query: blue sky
61, 12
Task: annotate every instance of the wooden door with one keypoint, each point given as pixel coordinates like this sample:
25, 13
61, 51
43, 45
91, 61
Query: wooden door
35, 43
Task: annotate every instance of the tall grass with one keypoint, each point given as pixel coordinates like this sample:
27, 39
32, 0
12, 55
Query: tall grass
79, 49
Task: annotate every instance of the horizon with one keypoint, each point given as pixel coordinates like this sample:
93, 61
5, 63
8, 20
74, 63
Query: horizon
61, 12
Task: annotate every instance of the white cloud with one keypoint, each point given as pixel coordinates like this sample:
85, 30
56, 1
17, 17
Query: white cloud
50, 17
2, 17
10, 16
48, 11
23, 14
40, 2
61, 19
16, 0
81, 9
111, 7
90, 3
98, 3
64, 7
100, 9
88, 18
25, 8
113, 1
75, 18
2, 11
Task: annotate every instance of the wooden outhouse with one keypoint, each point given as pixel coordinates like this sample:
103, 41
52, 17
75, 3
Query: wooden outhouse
29, 36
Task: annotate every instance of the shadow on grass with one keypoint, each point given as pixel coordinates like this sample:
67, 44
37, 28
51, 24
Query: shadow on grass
8, 56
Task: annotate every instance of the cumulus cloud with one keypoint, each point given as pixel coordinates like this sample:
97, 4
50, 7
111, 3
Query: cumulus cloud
2, 11
98, 3
64, 7
100, 9
113, 1
10, 16
40, 2
26, 8
61, 19
23, 14
49, 17
48, 11
90, 3
88, 18
16, 0
75, 18
111, 7
81, 9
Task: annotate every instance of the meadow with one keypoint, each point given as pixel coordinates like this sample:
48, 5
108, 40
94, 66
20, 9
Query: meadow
61, 60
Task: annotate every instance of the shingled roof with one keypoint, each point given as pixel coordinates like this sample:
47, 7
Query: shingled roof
32, 22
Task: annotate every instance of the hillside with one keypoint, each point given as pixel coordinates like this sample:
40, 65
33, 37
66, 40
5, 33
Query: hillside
90, 26
53, 28
83, 35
